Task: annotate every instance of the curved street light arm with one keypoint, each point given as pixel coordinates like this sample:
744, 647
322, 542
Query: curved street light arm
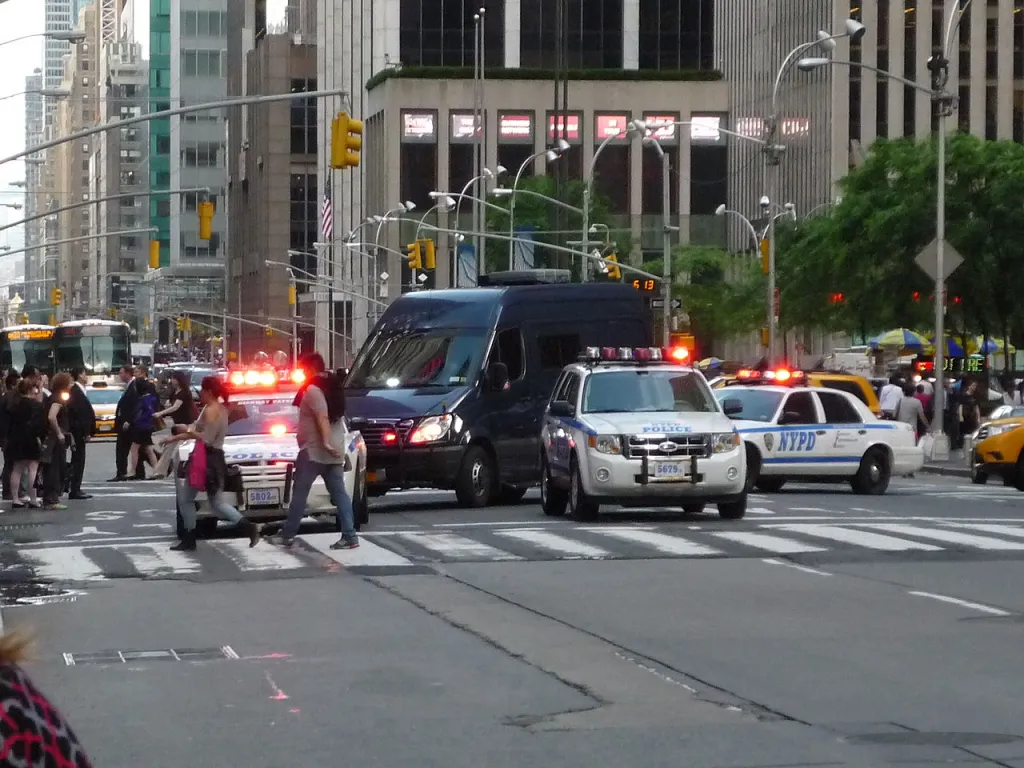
80, 238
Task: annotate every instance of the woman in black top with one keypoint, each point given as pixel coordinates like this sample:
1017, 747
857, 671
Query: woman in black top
24, 441
55, 446
180, 407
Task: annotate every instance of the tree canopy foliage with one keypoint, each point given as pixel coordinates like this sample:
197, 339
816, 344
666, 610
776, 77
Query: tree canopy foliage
865, 246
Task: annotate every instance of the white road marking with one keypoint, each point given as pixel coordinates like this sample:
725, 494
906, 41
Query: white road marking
768, 542
149, 560
368, 553
948, 537
670, 545
58, 543
556, 543
457, 547
1003, 530
963, 603
263, 557
760, 511
65, 564
795, 567
859, 538
502, 524
90, 530
811, 509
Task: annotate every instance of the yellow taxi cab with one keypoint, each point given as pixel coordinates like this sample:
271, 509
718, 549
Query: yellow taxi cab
852, 384
998, 449
104, 402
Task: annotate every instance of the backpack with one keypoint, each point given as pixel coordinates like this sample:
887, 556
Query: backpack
145, 411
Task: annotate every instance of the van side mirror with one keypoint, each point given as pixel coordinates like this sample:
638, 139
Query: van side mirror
562, 408
497, 376
731, 406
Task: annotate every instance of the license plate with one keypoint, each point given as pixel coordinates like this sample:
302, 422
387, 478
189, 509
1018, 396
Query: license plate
105, 427
375, 477
263, 497
668, 470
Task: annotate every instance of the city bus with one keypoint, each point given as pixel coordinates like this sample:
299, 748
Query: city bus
102, 347
22, 345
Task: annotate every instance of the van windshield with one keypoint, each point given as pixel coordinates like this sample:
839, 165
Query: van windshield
411, 359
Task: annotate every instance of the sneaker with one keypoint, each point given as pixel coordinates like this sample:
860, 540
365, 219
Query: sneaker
55, 507
346, 544
281, 541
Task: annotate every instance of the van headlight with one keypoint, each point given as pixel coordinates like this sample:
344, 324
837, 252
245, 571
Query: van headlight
724, 442
606, 444
431, 429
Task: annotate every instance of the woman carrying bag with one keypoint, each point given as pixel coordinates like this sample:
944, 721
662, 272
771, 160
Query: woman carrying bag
207, 467
183, 412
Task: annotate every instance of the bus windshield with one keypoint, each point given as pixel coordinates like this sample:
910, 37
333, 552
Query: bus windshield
419, 358
100, 349
27, 346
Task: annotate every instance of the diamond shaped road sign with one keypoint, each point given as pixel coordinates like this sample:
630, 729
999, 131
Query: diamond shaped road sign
928, 259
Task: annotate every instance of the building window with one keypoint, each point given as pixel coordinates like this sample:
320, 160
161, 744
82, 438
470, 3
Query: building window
304, 213
593, 33
202, 63
674, 34
202, 155
303, 119
441, 32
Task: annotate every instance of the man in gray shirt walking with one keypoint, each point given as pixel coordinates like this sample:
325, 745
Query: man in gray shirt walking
321, 438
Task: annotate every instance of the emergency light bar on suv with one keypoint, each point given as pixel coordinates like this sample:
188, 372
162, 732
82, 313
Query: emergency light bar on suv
264, 379
635, 354
778, 377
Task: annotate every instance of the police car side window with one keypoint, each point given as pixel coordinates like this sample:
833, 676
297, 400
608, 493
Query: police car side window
801, 404
838, 409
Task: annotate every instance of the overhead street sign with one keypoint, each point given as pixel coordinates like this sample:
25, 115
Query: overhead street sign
660, 304
928, 260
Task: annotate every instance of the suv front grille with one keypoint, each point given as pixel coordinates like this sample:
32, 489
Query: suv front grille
373, 431
672, 447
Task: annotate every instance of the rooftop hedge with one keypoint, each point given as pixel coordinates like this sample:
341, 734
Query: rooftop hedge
503, 73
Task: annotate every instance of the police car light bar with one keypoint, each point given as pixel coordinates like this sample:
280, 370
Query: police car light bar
778, 376
639, 354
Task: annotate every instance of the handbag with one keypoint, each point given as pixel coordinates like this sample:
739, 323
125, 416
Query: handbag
197, 466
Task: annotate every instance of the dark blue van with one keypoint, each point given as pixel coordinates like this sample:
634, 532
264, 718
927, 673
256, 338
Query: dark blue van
450, 387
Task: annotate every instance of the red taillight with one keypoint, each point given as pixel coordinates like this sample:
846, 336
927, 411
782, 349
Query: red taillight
389, 438
281, 463
278, 430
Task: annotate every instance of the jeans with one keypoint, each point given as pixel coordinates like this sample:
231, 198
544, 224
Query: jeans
185, 497
306, 471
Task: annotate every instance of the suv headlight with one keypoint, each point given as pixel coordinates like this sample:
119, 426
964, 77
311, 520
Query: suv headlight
431, 429
606, 444
723, 442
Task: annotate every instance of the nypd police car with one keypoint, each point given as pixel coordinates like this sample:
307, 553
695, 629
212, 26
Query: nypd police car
638, 428
260, 450
815, 434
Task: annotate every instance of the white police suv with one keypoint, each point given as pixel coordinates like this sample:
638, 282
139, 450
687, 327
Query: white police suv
814, 434
260, 449
638, 428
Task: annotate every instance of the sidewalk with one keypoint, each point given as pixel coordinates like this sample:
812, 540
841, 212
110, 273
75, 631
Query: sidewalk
952, 468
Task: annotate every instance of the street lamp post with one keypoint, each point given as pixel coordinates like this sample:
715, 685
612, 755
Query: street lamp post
551, 155
72, 36
486, 173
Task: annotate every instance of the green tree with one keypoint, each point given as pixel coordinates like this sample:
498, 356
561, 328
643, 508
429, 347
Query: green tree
542, 215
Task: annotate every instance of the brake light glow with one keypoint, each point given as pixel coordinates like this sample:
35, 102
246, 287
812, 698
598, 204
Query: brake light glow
278, 430
281, 463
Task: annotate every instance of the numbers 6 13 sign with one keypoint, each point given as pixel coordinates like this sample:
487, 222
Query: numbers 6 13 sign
646, 285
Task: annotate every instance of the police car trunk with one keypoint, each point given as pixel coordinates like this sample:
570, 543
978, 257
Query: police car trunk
260, 451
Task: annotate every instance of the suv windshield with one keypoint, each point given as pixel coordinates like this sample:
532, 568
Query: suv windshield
262, 417
413, 359
758, 404
647, 391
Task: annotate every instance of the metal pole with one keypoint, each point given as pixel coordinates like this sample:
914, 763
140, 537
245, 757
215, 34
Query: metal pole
239, 292
295, 322
772, 183
666, 248
940, 449
80, 238
477, 162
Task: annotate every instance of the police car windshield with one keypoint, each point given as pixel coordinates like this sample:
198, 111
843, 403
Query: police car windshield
419, 358
647, 390
250, 416
758, 404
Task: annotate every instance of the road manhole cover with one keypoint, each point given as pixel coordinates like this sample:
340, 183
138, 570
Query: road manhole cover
33, 593
934, 738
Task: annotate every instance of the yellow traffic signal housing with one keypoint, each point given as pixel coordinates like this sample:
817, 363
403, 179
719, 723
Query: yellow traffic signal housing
346, 141
612, 262
206, 212
112, 312
24, 318
429, 254
180, 323
188, 323
415, 255
764, 337
56, 297
154, 254
268, 331
292, 297
765, 246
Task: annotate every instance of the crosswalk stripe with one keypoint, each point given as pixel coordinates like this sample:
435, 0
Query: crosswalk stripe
65, 564
759, 511
262, 557
368, 553
458, 547
670, 545
766, 541
859, 538
148, 560
948, 537
1003, 530
556, 543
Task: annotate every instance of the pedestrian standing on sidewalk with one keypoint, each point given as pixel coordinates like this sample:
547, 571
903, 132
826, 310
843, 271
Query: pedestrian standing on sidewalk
321, 437
911, 411
58, 437
211, 428
82, 423
24, 447
890, 396
10, 392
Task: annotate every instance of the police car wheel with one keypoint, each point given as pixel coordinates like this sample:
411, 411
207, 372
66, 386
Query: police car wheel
581, 508
733, 510
474, 486
770, 484
873, 475
553, 501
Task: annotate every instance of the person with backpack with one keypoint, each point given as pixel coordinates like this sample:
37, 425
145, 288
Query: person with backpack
142, 426
322, 436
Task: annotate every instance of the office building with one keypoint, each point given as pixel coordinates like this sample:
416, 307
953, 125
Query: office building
120, 168
34, 197
419, 132
272, 180
59, 16
187, 65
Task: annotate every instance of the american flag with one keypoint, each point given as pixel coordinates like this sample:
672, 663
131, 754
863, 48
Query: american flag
327, 213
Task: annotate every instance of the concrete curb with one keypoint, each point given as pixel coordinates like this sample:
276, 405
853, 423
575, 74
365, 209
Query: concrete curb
938, 469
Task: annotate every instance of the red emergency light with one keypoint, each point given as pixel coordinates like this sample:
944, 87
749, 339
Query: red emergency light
778, 376
253, 378
639, 354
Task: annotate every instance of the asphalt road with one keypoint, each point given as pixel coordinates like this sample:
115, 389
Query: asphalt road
825, 629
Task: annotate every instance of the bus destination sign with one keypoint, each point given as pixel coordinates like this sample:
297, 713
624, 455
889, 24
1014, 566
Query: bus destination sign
39, 334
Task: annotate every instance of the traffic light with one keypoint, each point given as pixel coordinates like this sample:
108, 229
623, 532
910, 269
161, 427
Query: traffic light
429, 254
765, 337
836, 298
611, 261
268, 331
415, 255
187, 323
180, 323
916, 296
292, 297
24, 318
346, 141
112, 312
206, 211
765, 248
57, 297
154, 254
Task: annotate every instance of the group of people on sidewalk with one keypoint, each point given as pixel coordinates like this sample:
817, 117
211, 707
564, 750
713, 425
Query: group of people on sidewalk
44, 429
